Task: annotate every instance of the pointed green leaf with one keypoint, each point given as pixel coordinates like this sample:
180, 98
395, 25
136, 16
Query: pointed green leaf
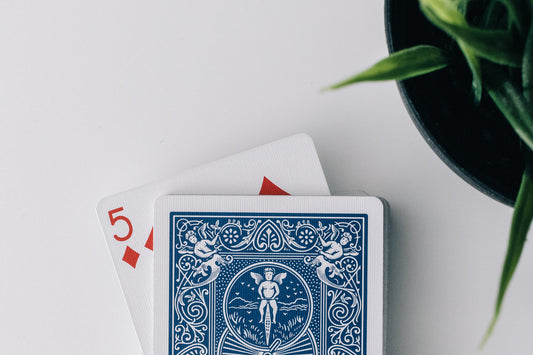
516, 13
444, 10
461, 5
527, 66
523, 214
495, 45
472, 60
509, 99
401, 65
493, 15
475, 68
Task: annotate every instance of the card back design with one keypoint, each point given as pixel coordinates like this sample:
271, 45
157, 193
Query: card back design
267, 283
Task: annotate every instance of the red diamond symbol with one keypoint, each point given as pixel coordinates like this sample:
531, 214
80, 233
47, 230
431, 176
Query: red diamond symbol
269, 188
150, 242
131, 257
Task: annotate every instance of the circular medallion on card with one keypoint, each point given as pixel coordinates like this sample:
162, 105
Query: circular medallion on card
267, 305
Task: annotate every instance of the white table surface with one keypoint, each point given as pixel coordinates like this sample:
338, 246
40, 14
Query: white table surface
100, 96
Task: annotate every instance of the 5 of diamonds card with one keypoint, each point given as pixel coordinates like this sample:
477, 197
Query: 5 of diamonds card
268, 275
287, 166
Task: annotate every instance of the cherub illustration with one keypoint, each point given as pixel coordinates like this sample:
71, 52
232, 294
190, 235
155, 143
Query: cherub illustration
268, 290
202, 249
328, 262
211, 261
335, 249
331, 251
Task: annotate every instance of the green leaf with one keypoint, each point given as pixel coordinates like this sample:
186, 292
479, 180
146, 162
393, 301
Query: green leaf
509, 99
444, 10
400, 65
527, 66
475, 68
493, 16
495, 45
523, 214
516, 14
471, 58
461, 5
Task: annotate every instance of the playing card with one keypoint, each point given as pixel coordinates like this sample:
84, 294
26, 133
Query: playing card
288, 166
269, 275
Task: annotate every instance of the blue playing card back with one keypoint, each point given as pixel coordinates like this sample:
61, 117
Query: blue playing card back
268, 282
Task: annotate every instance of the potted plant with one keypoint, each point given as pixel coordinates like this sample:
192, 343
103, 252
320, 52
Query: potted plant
481, 53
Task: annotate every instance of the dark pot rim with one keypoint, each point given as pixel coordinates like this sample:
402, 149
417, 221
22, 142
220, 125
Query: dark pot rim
428, 137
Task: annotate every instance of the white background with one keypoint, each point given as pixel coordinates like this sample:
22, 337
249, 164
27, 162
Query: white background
100, 96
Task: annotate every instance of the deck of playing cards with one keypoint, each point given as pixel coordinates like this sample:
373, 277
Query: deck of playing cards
239, 274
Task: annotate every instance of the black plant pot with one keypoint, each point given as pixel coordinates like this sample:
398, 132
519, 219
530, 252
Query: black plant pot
475, 141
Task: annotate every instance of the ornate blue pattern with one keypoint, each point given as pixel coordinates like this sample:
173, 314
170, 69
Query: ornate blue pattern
267, 284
